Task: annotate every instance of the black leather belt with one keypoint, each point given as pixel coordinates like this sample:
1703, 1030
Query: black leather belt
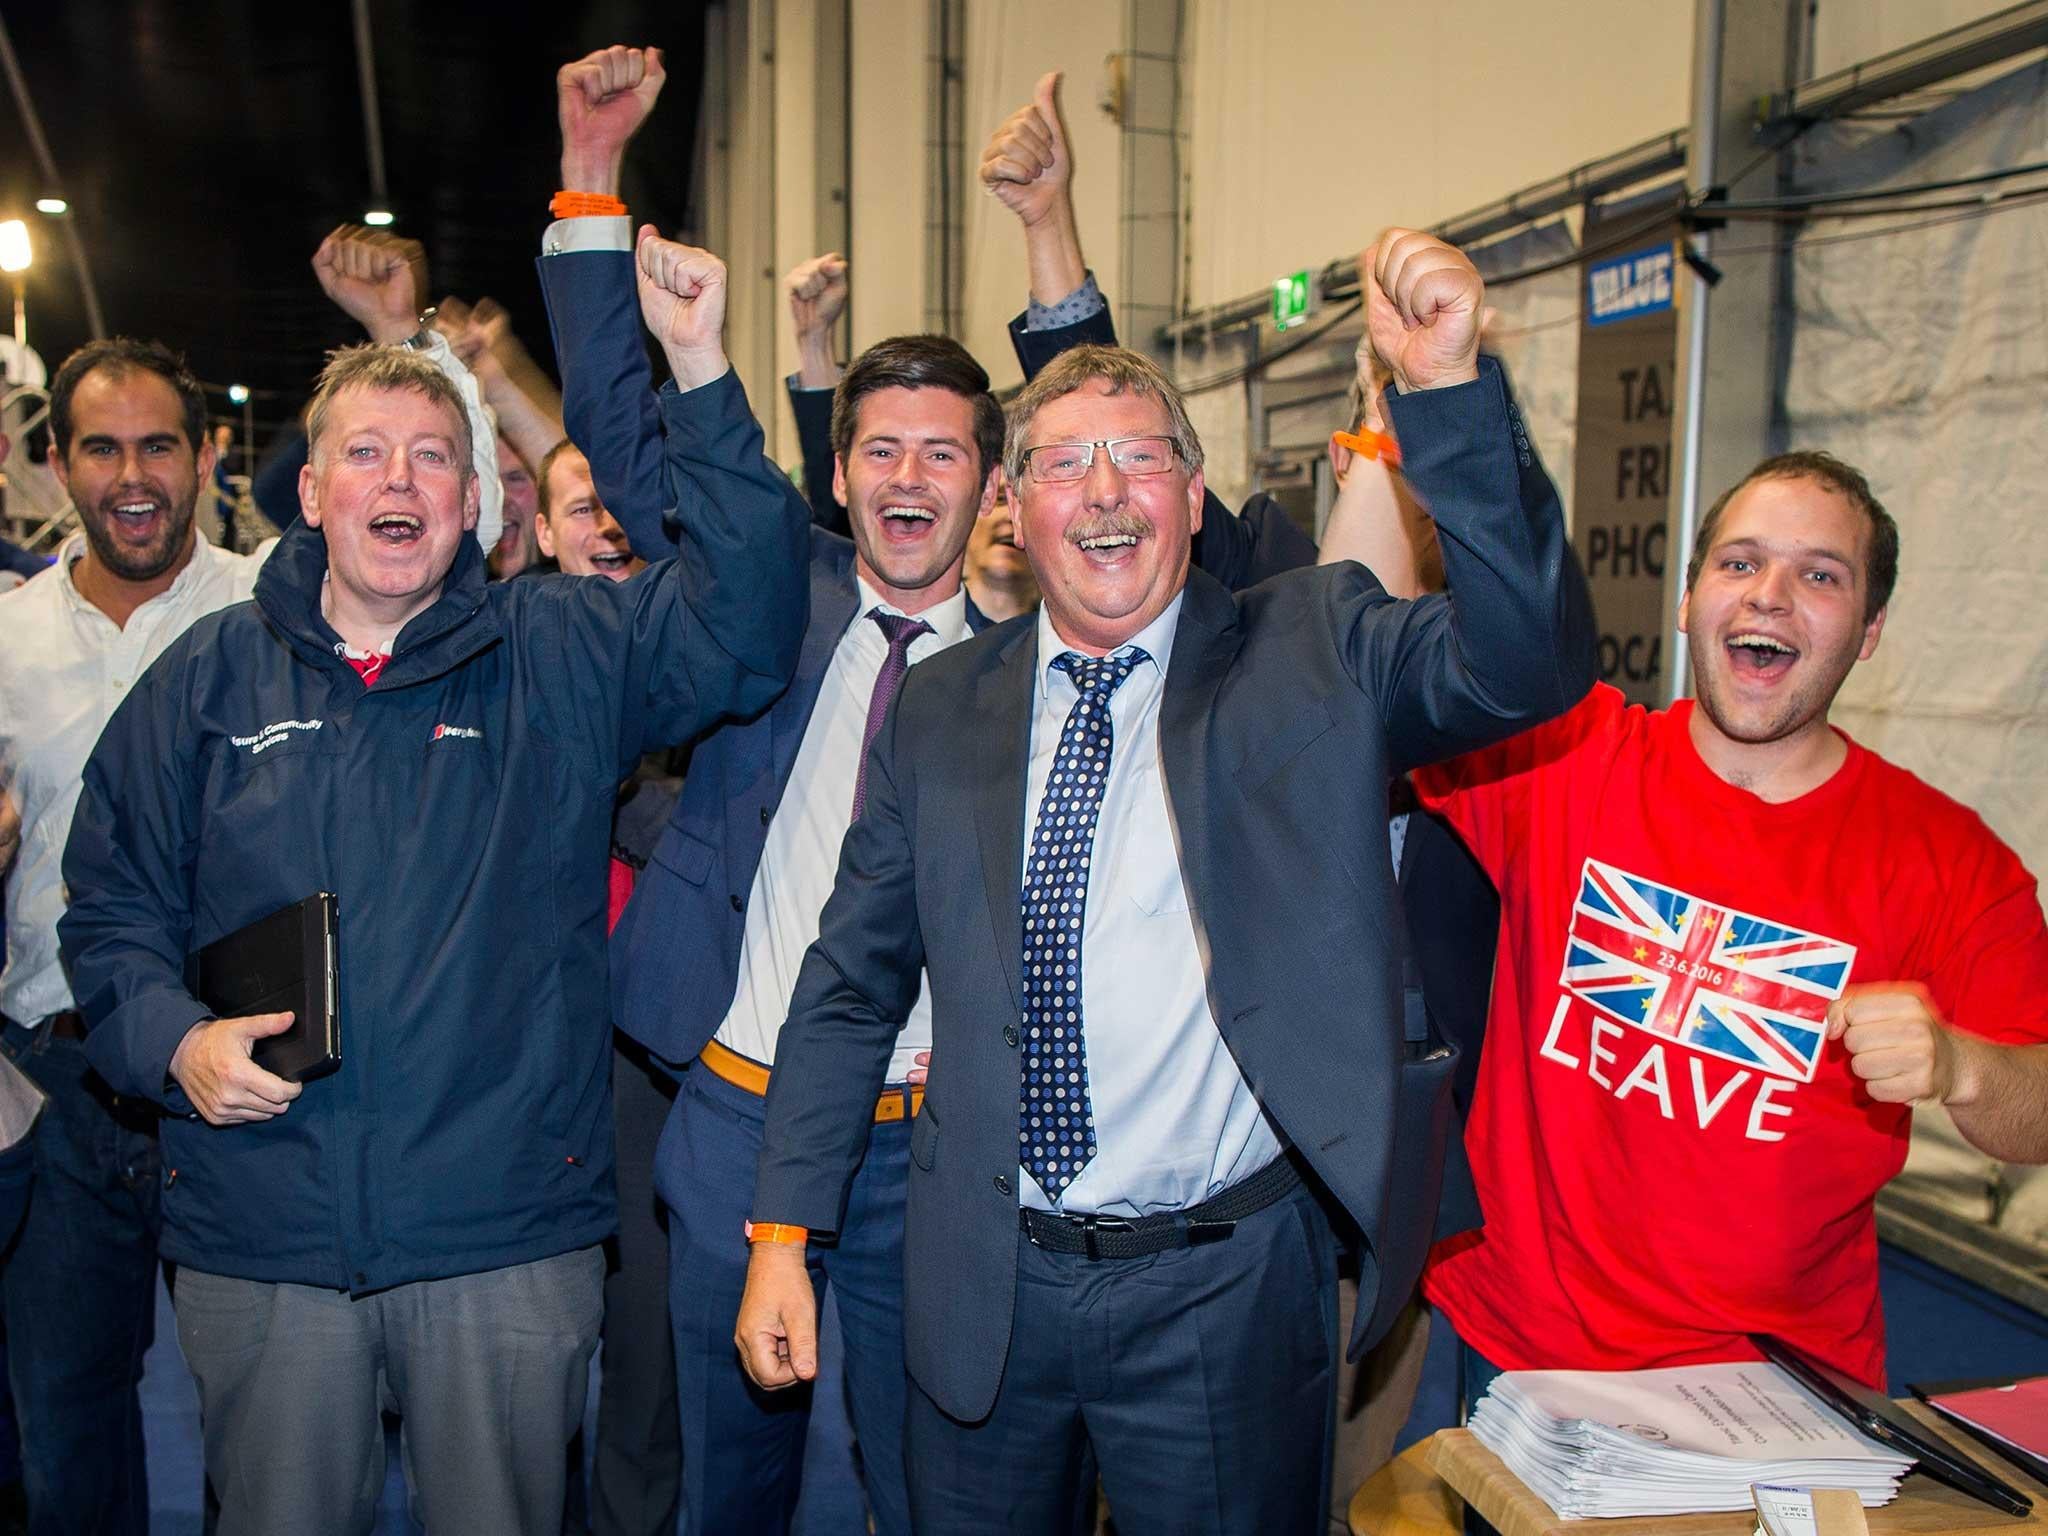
1122, 1237
69, 1025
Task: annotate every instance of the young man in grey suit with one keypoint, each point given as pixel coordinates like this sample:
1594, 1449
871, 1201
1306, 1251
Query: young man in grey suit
1139, 846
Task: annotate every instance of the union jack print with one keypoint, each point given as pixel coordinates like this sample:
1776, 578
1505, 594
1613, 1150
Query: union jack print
1712, 978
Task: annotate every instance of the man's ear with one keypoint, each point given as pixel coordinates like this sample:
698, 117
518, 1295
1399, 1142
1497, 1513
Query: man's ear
543, 535
1196, 497
309, 495
1871, 631
204, 461
1684, 606
991, 491
472, 502
839, 479
1340, 460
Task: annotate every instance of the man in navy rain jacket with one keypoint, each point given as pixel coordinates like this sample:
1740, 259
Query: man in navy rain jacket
422, 1226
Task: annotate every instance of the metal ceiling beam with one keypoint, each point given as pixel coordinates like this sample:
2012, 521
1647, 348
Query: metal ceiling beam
40, 147
373, 127
1943, 56
1957, 51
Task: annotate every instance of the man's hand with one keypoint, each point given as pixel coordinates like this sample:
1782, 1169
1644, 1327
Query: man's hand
601, 100
376, 278
10, 831
817, 292
777, 1331
212, 1065
1897, 1043
682, 299
917, 1074
1424, 301
1025, 163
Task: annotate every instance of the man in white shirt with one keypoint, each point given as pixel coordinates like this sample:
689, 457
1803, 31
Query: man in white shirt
79, 1287
705, 955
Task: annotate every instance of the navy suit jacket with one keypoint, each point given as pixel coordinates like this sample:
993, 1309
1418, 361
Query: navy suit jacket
675, 953
1288, 708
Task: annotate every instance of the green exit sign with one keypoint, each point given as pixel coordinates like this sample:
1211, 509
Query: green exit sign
1290, 301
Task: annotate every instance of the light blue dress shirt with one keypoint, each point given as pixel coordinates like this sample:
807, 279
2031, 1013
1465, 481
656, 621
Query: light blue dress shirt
1175, 1121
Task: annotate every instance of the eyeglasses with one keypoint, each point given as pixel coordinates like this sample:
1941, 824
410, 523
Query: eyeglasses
1053, 462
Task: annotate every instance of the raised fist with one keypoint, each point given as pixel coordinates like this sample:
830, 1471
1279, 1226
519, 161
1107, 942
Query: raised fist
376, 278
1424, 301
1025, 163
817, 293
601, 100
682, 299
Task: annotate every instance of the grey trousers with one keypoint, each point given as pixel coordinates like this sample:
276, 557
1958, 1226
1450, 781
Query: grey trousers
489, 1372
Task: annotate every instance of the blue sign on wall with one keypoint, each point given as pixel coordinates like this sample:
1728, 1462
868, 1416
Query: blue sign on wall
1625, 286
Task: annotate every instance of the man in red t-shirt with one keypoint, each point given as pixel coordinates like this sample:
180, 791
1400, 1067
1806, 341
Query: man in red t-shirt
1736, 948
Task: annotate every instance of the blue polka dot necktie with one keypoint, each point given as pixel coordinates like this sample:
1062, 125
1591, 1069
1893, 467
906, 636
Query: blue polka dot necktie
1055, 1121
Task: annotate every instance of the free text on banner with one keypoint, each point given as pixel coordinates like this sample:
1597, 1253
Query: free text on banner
1621, 487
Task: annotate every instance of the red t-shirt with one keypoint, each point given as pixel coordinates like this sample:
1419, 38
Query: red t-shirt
1669, 1153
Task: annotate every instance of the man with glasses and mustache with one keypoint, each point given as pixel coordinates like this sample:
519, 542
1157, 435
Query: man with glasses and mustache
1139, 846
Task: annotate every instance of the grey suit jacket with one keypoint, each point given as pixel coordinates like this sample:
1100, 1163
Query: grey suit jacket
1287, 709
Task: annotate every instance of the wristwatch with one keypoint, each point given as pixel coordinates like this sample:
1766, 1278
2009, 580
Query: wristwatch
420, 339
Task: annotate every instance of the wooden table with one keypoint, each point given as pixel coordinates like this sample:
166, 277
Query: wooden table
1922, 1505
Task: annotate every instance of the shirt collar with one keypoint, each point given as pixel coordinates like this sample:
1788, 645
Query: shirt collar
947, 619
1155, 639
72, 550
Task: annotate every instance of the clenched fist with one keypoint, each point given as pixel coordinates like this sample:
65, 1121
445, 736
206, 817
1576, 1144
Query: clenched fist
1025, 164
601, 100
1424, 301
817, 292
376, 278
1897, 1043
682, 299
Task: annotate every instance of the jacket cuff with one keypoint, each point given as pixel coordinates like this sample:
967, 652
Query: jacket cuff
132, 1046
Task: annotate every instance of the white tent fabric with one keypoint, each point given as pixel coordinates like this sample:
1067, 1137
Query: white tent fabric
1920, 354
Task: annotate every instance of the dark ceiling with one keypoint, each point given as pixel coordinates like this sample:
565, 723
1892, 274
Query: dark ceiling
206, 146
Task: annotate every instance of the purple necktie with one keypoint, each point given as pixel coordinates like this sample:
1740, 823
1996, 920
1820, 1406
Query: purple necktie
901, 632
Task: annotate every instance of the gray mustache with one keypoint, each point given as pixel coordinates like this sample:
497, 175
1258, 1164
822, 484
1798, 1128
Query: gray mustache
1114, 525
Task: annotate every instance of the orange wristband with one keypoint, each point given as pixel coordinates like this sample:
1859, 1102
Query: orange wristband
777, 1232
579, 205
1374, 445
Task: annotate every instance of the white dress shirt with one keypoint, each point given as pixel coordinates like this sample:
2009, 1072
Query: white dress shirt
64, 666
801, 858
1175, 1121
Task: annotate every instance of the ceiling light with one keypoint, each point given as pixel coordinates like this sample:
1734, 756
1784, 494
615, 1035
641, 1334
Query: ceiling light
52, 206
378, 217
238, 394
15, 254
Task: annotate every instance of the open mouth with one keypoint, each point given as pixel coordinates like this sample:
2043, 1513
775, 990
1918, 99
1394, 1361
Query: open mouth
397, 528
136, 517
905, 521
612, 562
1760, 656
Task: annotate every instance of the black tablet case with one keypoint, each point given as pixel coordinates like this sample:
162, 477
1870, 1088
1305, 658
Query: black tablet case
288, 960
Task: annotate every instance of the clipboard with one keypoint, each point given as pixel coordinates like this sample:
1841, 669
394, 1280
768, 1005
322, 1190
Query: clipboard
287, 960
1878, 1418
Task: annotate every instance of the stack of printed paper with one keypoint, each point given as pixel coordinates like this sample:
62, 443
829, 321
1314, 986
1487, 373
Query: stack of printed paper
1678, 1441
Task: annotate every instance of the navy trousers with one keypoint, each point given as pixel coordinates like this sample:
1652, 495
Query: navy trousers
744, 1449
1196, 1383
80, 1292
